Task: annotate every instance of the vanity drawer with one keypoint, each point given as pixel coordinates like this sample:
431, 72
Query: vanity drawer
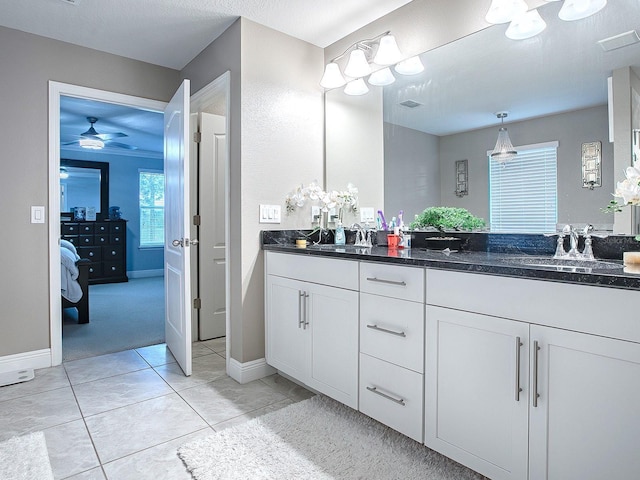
113, 252
92, 253
392, 330
322, 270
393, 281
392, 395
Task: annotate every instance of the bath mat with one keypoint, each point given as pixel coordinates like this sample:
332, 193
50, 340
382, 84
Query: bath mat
25, 458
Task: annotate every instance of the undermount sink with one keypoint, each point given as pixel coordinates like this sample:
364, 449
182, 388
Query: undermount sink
568, 263
336, 248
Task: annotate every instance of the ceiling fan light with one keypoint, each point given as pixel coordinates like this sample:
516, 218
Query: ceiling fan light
382, 77
356, 87
64, 174
526, 25
358, 65
332, 77
503, 11
410, 66
91, 143
388, 51
578, 9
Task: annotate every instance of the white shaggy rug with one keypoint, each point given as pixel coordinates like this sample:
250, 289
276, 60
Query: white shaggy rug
316, 439
25, 458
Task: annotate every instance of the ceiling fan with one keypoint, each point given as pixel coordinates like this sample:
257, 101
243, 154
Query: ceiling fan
91, 139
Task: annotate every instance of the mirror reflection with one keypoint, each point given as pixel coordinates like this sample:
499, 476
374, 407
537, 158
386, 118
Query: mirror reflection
399, 144
84, 184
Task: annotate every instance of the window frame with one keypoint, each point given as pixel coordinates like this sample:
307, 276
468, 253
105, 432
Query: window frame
151, 171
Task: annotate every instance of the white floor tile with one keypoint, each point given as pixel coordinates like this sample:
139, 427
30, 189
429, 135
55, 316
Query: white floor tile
70, 449
95, 368
204, 369
45, 379
93, 474
217, 344
253, 414
156, 355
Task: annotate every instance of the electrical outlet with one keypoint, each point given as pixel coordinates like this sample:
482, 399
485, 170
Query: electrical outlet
315, 214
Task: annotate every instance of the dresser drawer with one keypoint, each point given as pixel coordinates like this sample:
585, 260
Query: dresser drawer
394, 281
95, 270
85, 228
392, 395
85, 240
92, 253
69, 229
113, 252
116, 239
116, 227
102, 239
72, 238
392, 330
113, 269
101, 227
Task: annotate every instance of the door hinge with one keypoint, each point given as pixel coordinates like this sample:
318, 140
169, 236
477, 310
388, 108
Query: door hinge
197, 137
196, 220
197, 303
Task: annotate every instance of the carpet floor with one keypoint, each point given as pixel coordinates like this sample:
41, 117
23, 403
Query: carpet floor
25, 458
317, 439
122, 316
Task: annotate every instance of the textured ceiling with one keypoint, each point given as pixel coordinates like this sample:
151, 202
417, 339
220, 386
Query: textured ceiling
172, 32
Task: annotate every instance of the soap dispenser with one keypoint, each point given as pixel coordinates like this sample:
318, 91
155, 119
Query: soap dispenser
340, 237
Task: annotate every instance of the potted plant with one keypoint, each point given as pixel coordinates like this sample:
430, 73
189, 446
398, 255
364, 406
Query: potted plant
445, 219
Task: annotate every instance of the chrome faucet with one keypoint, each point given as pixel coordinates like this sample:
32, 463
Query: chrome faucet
363, 235
574, 253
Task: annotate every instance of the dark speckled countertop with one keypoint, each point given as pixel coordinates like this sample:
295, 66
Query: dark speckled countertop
482, 262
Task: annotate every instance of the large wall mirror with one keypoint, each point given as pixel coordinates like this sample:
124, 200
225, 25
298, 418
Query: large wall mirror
84, 184
399, 144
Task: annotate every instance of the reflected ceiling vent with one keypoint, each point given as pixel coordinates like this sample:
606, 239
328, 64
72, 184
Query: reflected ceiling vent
410, 104
71, 2
619, 41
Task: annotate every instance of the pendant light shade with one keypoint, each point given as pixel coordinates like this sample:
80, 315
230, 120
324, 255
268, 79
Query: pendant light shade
91, 143
503, 151
526, 25
358, 65
388, 51
503, 11
579, 9
382, 77
410, 66
332, 77
356, 87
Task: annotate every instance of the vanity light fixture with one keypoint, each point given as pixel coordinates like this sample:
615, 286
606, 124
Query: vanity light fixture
503, 151
356, 87
410, 66
526, 25
382, 77
332, 77
503, 11
358, 66
578, 9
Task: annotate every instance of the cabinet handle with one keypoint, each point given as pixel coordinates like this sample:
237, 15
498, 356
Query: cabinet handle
390, 282
518, 389
300, 315
399, 401
536, 395
306, 310
375, 327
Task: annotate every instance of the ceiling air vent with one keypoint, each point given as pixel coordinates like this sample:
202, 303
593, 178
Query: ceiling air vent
619, 41
410, 104
71, 2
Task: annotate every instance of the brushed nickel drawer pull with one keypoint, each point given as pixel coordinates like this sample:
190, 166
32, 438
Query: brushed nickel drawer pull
518, 389
399, 401
380, 329
536, 395
300, 314
390, 282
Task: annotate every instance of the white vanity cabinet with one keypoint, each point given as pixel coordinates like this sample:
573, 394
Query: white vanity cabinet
312, 322
392, 346
577, 415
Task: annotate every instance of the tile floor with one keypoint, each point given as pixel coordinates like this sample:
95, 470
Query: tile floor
122, 416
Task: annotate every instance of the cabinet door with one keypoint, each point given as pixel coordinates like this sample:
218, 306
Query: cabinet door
333, 317
586, 422
472, 411
288, 338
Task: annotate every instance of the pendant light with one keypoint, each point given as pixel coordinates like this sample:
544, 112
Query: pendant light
358, 65
388, 51
503, 11
356, 87
410, 66
503, 151
382, 77
579, 9
526, 25
332, 77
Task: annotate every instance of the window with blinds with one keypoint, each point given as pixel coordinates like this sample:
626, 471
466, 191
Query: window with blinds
151, 208
523, 193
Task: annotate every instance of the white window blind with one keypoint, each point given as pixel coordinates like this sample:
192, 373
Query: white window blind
151, 208
523, 193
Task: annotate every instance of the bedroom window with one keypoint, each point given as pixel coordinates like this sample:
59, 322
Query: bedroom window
151, 208
523, 194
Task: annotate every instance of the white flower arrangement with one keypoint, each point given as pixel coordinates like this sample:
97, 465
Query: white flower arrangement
332, 199
628, 190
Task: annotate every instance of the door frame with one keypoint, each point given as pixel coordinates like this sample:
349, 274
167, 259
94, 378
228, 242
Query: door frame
199, 101
56, 90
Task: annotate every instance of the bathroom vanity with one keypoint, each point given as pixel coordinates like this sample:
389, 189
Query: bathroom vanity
514, 370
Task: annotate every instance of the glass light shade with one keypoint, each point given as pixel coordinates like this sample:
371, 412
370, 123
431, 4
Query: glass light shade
388, 51
91, 143
64, 174
356, 87
578, 9
410, 66
382, 77
332, 77
527, 25
358, 65
503, 151
503, 11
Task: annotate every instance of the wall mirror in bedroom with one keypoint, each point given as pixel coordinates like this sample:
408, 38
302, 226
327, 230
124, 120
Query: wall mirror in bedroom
84, 184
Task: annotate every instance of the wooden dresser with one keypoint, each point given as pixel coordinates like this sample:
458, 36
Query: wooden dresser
102, 242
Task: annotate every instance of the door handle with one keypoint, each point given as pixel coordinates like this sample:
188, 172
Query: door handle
306, 310
300, 314
536, 395
192, 242
178, 243
518, 389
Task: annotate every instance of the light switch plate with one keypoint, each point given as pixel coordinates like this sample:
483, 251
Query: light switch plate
367, 215
270, 214
37, 214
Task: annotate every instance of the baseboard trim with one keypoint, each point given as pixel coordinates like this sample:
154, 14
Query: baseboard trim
159, 272
249, 371
19, 361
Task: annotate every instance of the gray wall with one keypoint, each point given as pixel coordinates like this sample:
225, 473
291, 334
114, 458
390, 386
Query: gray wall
28, 63
411, 171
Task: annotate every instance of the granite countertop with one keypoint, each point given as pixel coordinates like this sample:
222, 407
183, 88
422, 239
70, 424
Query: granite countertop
491, 263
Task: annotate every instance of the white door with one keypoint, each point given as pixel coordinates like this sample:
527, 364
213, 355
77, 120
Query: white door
211, 193
177, 243
586, 422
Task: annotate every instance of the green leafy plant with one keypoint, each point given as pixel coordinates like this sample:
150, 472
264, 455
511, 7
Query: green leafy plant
447, 218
